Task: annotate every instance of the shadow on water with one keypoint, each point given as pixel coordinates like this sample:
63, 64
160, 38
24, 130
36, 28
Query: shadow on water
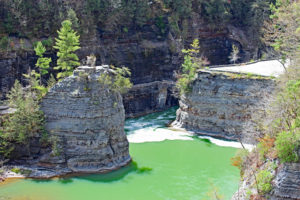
117, 175
204, 140
104, 178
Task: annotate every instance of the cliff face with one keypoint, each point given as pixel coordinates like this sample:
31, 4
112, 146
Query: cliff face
285, 183
224, 104
151, 56
148, 97
86, 121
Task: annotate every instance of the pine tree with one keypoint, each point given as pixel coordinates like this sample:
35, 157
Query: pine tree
42, 63
71, 15
66, 43
35, 77
193, 61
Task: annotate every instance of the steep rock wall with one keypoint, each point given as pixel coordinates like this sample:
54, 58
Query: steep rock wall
87, 122
150, 55
145, 98
224, 105
285, 184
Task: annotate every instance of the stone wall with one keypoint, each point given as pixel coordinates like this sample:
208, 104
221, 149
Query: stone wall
86, 120
225, 105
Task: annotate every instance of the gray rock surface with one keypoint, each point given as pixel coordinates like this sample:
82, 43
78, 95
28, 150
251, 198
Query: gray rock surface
287, 182
87, 120
225, 105
150, 55
146, 98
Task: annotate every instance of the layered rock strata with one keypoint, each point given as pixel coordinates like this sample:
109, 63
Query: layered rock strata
285, 182
150, 55
145, 98
225, 105
86, 122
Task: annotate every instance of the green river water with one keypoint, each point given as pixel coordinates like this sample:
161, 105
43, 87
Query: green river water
167, 165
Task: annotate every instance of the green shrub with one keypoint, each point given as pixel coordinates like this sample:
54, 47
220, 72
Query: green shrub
159, 21
4, 42
286, 144
26, 122
192, 62
264, 178
16, 170
54, 140
120, 82
48, 42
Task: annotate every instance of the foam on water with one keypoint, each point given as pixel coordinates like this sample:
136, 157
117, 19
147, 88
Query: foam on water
157, 135
152, 128
224, 143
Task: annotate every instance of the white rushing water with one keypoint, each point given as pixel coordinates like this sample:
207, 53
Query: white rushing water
152, 128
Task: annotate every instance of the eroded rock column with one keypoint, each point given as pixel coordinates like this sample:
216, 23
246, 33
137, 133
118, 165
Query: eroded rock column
86, 121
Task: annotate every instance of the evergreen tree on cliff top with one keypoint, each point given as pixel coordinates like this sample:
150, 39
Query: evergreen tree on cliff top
66, 43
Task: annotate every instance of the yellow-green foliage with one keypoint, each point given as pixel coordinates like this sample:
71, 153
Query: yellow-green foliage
287, 144
288, 139
284, 114
16, 170
192, 62
264, 178
26, 122
66, 44
119, 82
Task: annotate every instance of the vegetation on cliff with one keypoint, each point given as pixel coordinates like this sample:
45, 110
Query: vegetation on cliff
284, 121
192, 62
119, 81
40, 19
25, 123
281, 140
66, 44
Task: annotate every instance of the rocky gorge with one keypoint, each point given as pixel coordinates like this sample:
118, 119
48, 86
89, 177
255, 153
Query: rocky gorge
153, 57
77, 126
86, 123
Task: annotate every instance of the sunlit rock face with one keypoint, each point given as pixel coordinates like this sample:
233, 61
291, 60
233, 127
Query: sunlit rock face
225, 105
86, 120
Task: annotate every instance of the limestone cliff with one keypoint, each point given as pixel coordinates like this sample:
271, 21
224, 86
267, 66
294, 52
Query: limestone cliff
151, 55
223, 104
285, 183
86, 120
148, 97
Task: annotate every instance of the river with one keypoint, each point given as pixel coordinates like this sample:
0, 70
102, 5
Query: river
167, 165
